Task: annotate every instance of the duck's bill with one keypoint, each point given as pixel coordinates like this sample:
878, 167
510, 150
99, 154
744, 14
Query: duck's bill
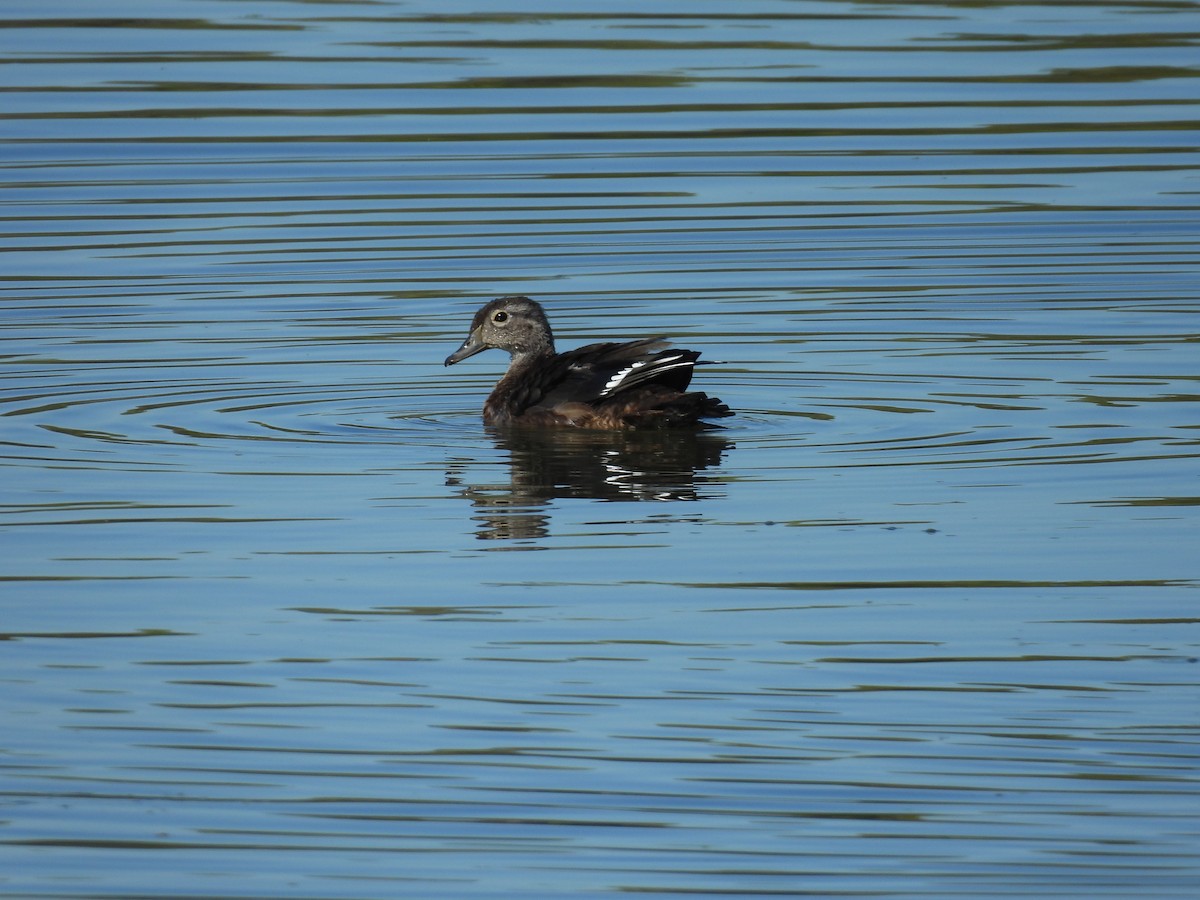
470, 347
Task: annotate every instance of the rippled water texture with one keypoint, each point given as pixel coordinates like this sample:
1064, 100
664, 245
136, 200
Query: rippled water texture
283, 619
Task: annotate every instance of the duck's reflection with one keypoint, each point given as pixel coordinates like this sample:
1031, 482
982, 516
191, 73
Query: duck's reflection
597, 465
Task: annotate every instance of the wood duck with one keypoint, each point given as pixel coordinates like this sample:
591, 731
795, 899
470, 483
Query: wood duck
638, 384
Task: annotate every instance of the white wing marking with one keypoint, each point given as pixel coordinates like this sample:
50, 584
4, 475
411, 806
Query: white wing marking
664, 364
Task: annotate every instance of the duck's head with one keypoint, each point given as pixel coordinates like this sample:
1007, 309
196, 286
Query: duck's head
515, 324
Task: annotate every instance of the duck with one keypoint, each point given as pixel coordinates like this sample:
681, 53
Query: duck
639, 384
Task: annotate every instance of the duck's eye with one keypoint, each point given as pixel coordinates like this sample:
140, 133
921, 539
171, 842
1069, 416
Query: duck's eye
500, 317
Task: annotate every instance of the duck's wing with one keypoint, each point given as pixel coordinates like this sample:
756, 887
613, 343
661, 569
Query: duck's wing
598, 372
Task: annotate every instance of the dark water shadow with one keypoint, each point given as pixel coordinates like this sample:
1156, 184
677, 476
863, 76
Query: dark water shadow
617, 466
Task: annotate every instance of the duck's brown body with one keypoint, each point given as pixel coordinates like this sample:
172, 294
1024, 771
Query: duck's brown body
638, 384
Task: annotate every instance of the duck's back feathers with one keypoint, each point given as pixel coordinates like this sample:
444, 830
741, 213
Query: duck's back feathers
597, 371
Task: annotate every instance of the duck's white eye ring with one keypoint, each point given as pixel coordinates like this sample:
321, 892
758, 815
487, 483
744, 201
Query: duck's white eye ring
500, 317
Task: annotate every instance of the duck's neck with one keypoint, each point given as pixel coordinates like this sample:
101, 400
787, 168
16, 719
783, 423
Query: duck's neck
520, 388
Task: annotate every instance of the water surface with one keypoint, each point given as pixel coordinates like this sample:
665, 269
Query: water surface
283, 618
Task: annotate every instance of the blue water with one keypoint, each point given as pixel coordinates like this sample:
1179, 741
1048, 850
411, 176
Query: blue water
283, 619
